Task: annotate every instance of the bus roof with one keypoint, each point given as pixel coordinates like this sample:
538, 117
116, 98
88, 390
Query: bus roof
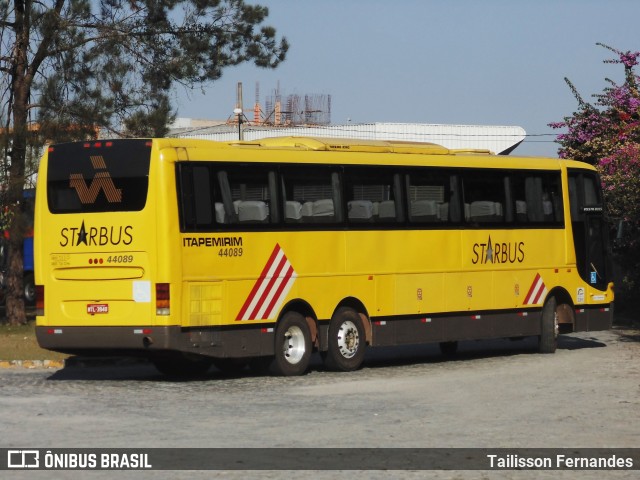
467, 157
347, 144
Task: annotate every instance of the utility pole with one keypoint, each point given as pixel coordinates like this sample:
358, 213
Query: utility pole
238, 110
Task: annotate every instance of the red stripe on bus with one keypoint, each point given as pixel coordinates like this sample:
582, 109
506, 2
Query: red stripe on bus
256, 287
270, 284
276, 297
534, 285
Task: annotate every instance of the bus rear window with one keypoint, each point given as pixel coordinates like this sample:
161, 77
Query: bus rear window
98, 176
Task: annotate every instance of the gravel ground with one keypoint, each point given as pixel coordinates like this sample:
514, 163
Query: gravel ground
497, 394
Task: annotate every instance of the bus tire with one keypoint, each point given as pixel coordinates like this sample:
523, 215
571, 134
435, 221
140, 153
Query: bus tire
292, 346
179, 365
347, 342
548, 339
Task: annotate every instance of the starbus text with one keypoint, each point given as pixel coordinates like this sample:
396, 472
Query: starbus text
498, 252
96, 236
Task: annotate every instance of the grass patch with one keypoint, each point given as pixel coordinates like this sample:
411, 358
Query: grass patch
19, 343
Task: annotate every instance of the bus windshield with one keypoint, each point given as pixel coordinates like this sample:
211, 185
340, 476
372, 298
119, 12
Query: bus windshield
98, 176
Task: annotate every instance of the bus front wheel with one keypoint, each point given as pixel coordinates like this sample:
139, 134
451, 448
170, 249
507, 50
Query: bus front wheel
548, 339
347, 341
292, 345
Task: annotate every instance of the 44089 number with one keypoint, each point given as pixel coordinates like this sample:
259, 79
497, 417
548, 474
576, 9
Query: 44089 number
120, 259
230, 252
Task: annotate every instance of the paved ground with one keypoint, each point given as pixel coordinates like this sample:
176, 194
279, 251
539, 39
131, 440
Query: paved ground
493, 394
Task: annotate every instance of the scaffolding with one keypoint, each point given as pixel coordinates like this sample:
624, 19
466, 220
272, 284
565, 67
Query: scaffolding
289, 110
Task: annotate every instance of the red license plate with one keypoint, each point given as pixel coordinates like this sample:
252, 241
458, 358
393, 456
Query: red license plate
93, 308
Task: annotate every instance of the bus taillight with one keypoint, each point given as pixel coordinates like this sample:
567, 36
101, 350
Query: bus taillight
40, 300
163, 299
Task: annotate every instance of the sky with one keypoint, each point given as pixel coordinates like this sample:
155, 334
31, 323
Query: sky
466, 62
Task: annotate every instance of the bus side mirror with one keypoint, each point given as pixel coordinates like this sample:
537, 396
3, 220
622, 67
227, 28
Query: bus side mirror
617, 232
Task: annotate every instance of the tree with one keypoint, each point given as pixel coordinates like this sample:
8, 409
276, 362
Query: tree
73, 67
607, 135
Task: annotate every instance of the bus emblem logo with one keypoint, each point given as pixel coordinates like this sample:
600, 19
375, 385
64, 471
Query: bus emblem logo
270, 289
101, 181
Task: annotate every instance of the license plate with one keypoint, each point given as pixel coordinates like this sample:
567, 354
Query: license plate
94, 308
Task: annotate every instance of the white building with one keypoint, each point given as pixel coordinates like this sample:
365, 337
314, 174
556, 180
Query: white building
498, 139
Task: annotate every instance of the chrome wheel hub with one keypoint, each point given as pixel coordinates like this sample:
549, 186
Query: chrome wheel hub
348, 339
293, 345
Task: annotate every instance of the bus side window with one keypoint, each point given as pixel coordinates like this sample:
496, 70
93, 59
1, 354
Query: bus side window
246, 193
371, 196
224, 198
454, 200
311, 195
195, 197
537, 197
484, 196
429, 196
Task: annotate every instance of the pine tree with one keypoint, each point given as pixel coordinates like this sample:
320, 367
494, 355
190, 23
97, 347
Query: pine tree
73, 67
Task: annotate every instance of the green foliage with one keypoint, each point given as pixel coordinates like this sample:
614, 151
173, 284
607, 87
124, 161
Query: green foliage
73, 69
112, 63
620, 174
607, 135
595, 131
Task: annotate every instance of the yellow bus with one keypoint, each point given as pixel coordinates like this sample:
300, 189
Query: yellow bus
193, 252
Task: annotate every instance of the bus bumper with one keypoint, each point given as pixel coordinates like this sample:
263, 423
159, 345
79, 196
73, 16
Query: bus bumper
594, 318
148, 340
88, 339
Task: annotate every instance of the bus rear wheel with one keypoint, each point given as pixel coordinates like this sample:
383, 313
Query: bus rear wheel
292, 346
548, 339
346, 341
